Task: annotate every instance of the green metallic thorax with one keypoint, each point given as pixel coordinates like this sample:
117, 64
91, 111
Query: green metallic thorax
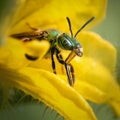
52, 34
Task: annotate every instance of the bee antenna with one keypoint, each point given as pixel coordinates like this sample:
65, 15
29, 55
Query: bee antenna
70, 27
84, 26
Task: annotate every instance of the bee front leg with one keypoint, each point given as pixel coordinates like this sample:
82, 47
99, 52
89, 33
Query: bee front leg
69, 68
70, 73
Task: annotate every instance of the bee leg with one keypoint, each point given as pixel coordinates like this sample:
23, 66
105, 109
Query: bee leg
32, 28
59, 56
70, 74
69, 68
60, 60
52, 58
32, 58
26, 39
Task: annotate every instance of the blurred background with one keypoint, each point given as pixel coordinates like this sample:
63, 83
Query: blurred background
109, 29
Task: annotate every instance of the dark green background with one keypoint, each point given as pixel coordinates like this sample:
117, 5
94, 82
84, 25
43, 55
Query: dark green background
108, 29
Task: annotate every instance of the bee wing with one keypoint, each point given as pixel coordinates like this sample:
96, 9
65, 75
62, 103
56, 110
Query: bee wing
25, 37
21, 35
28, 36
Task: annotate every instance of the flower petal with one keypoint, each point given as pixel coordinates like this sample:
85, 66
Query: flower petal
96, 74
51, 90
116, 106
13, 53
52, 13
98, 79
98, 49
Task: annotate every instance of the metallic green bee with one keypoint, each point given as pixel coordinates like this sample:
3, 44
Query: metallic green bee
57, 41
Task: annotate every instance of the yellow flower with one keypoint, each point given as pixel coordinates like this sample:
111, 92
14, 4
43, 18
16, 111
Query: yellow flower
93, 71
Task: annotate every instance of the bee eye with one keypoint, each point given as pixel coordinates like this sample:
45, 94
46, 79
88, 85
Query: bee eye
64, 42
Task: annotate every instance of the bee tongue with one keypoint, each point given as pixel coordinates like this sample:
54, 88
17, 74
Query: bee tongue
70, 57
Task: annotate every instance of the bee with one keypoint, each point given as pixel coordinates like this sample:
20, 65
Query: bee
57, 42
